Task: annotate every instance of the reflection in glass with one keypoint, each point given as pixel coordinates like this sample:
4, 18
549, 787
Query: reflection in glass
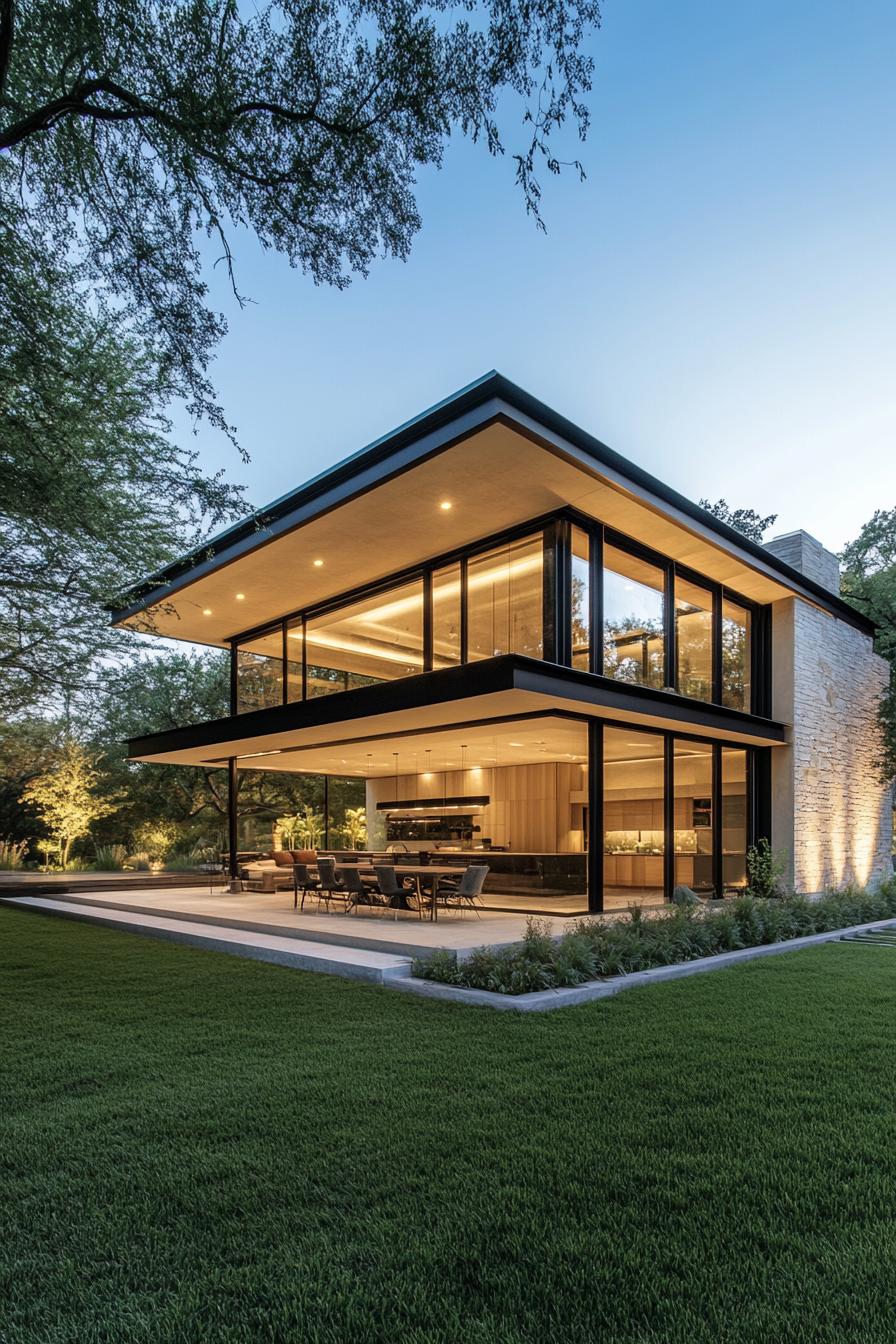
736, 656
693, 816
634, 823
376, 639
634, 643
693, 639
581, 600
734, 818
259, 671
505, 596
446, 616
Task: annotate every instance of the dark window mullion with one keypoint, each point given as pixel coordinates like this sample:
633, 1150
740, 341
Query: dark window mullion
597, 599
234, 677
557, 593
595, 856
284, 698
717, 646
427, 620
304, 659
717, 866
668, 816
464, 612
669, 624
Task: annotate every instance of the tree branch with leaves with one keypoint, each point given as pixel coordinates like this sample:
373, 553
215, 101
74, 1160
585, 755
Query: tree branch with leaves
130, 130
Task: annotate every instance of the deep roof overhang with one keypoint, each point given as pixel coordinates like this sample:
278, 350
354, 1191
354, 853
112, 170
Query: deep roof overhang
498, 688
491, 400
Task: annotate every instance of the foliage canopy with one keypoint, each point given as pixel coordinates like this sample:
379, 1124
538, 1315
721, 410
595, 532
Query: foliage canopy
130, 129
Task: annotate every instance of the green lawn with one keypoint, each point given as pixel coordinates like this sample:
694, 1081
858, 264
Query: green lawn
196, 1147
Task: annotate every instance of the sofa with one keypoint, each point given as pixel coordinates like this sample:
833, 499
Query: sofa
274, 871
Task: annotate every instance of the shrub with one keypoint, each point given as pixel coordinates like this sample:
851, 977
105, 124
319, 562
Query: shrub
597, 948
191, 859
109, 858
156, 839
765, 870
12, 853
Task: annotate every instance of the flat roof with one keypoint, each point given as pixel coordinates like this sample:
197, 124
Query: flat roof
496, 447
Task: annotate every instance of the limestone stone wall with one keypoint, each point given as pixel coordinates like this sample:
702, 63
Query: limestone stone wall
829, 808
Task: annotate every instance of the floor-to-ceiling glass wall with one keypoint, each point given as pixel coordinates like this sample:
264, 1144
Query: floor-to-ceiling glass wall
707, 834
510, 795
735, 827
693, 820
377, 638
634, 603
259, 671
581, 599
505, 600
634, 818
693, 639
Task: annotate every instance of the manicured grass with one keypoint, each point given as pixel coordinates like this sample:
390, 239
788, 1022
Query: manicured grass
195, 1147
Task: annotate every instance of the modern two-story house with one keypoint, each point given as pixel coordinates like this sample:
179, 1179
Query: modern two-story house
525, 646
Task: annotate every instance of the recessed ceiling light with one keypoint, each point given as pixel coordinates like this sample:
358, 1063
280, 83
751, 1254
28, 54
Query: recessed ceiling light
240, 597
206, 611
318, 564
446, 505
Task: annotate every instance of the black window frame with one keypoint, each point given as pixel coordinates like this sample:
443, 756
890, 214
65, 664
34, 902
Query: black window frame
756, 792
556, 531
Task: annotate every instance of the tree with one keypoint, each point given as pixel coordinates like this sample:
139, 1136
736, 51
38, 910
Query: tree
868, 581
66, 797
746, 521
27, 747
129, 129
355, 827
161, 690
92, 490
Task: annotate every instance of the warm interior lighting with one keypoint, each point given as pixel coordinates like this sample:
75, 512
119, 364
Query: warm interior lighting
318, 564
206, 611
446, 505
241, 597
406, 657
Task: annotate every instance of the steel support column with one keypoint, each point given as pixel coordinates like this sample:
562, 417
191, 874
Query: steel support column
232, 828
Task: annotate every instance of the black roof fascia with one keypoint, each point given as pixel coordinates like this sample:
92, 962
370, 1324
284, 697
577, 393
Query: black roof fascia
488, 398
509, 672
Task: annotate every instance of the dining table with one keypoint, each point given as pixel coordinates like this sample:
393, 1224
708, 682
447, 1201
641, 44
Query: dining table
419, 872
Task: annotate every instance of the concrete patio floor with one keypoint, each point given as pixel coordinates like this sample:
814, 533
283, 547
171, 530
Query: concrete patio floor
273, 914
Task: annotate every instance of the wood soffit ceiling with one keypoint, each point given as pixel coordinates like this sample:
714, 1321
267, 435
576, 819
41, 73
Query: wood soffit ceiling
494, 479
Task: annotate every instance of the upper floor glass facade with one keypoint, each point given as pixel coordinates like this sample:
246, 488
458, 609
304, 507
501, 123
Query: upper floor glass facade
566, 590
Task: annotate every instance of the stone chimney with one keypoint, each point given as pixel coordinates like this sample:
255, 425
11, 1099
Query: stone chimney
804, 553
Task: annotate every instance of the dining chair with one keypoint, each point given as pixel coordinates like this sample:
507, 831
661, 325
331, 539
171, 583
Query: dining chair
360, 890
396, 891
303, 882
331, 885
467, 892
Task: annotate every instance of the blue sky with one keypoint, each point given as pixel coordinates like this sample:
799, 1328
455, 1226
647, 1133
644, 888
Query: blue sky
716, 301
